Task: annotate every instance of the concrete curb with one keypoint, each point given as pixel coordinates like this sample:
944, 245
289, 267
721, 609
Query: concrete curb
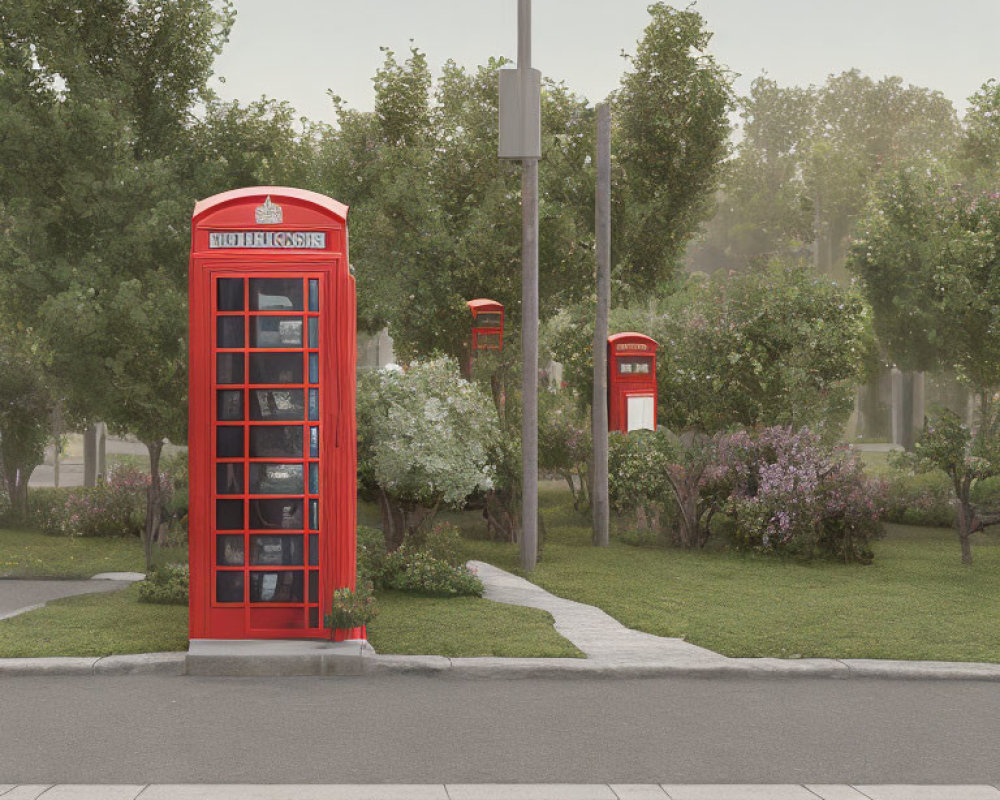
338, 665
138, 664
501, 791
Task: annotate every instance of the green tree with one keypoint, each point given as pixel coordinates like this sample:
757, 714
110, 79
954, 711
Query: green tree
809, 157
26, 403
965, 457
97, 247
929, 264
777, 346
670, 135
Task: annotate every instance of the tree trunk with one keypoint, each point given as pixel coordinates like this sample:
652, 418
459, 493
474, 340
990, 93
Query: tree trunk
16, 477
154, 502
965, 517
393, 521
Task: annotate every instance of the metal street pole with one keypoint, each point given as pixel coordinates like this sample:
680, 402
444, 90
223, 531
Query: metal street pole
529, 320
599, 406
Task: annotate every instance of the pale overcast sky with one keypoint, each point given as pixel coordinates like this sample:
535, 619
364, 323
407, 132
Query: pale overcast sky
296, 50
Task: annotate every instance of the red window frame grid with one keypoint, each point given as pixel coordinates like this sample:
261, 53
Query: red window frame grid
311, 573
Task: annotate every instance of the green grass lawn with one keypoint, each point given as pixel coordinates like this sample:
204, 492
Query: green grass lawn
916, 601
464, 626
25, 553
114, 623
101, 624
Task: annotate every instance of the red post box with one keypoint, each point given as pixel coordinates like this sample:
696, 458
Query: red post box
487, 326
631, 382
272, 442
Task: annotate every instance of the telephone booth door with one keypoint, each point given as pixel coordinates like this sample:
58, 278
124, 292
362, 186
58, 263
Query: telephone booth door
632, 394
272, 429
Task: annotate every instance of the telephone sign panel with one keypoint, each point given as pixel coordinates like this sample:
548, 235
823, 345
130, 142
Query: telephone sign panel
632, 395
272, 442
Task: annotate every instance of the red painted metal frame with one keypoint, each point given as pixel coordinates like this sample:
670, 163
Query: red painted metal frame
629, 345
483, 305
302, 211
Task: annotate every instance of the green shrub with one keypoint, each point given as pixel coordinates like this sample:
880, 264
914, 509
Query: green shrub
115, 507
352, 609
166, 584
371, 555
430, 563
919, 499
423, 574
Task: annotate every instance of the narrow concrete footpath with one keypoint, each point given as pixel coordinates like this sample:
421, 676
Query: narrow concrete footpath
19, 595
495, 791
599, 636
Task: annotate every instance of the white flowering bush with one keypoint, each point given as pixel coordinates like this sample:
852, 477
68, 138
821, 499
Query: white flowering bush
425, 437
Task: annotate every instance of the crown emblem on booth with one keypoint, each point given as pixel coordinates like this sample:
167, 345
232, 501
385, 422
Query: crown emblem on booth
268, 213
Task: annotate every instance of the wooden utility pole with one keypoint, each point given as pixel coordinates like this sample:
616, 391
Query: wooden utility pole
520, 139
529, 321
600, 503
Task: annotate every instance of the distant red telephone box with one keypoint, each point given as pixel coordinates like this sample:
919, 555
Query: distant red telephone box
631, 382
272, 443
487, 326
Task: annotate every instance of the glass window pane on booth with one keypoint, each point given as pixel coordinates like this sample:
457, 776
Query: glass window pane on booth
276, 405
488, 341
313, 404
314, 368
313, 332
229, 515
230, 296
229, 368
229, 441
230, 404
276, 441
275, 368
488, 320
314, 294
282, 586
634, 366
640, 414
314, 478
313, 442
313, 586
229, 587
229, 332
276, 551
314, 515
229, 551
313, 549
276, 479
313, 617
275, 332
275, 515
229, 479
275, 294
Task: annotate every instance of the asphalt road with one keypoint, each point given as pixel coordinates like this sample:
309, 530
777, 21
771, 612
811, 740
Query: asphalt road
400, 729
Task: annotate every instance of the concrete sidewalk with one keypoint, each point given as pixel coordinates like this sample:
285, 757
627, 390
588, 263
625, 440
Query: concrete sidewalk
497, 791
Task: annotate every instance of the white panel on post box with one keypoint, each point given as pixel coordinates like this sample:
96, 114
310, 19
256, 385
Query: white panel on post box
520, 113
640, 413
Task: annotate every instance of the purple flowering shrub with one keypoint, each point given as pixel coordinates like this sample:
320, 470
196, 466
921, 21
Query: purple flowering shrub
790, 494
115, 507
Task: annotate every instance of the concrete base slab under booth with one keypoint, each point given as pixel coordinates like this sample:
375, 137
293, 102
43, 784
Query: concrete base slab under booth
275, 657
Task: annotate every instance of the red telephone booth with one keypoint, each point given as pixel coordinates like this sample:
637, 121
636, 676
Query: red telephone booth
631, 382
272, 442
487, 326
